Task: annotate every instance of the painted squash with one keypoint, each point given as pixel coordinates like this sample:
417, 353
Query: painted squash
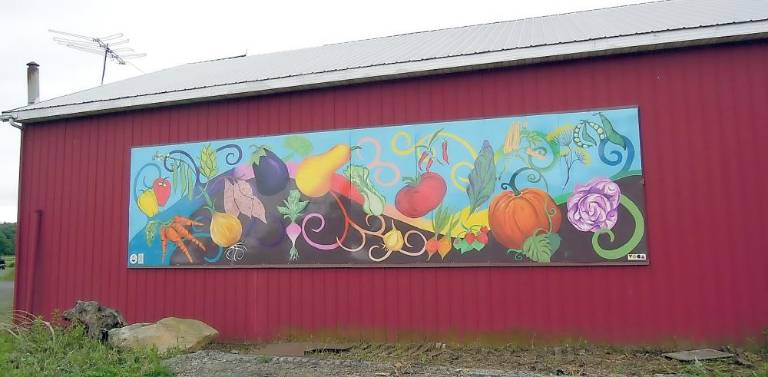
515, 216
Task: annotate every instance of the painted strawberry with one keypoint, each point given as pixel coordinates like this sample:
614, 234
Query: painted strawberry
162, 189
482, 237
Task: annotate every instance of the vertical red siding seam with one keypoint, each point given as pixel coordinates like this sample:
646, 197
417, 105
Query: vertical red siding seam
41, 233
21, 219
120, 207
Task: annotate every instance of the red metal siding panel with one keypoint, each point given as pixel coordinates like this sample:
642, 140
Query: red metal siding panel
701, 126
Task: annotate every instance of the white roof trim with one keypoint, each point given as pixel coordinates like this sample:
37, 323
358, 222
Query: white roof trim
518, 56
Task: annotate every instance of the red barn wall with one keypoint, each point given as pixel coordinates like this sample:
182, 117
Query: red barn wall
703, 114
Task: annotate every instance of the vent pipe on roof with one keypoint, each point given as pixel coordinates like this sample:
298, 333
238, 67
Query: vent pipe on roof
33, 83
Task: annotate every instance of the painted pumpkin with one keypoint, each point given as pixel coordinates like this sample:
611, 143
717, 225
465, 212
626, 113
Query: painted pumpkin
514, 217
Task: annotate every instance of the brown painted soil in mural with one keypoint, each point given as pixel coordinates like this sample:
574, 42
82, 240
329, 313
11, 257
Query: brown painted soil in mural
267, 243
436, 359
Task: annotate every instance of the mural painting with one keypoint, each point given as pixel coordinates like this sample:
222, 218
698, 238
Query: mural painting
552, 189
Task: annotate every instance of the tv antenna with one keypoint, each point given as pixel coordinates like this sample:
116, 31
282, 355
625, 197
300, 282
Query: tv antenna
103, 46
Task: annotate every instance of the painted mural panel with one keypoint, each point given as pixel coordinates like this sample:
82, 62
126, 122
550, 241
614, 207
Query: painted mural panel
551, 189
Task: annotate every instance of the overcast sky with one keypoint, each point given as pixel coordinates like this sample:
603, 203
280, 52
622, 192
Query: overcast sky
178, 32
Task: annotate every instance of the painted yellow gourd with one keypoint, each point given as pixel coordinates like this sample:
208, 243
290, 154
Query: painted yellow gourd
313, 176
226, 229
393, 240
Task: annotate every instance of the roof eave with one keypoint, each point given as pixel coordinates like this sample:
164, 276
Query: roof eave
505, 58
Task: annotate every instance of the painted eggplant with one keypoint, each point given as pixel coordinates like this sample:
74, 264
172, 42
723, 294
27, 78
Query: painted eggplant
269, 171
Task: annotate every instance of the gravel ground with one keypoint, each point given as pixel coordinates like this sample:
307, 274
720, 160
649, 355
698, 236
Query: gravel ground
210, 363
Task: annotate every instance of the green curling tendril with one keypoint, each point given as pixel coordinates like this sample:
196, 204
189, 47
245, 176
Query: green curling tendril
631, 244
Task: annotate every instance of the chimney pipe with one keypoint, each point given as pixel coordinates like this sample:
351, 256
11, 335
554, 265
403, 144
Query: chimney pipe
33, 83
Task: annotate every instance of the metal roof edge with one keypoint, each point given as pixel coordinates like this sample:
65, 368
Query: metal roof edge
521, 56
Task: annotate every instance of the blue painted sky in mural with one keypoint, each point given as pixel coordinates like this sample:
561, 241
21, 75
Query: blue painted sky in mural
388, 145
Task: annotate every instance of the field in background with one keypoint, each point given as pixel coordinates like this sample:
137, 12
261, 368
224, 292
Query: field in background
6, 288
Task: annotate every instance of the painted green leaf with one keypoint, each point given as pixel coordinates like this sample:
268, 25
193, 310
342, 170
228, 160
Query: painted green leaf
208, 162
610, 133
258, 153
293, 206
477, 245
298, 145
482, 178
533, 138
586, 137
554, 241
151, 232
462, 246
538, 248
374, 200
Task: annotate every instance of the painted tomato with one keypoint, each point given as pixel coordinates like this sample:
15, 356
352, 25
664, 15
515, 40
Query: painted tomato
420, 196
162, 189
516, 216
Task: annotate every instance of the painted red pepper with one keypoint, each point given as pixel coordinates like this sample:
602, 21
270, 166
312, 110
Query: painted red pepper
429, 164
445, 151
422, 158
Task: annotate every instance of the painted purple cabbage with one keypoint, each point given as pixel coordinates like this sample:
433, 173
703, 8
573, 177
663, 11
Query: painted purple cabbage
594, 205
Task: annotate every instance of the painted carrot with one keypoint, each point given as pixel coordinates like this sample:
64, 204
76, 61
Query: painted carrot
186, 221
184, 234
174, 237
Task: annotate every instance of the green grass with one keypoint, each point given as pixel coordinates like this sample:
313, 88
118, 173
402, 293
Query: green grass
9, 274
6, 296
717, 368
10, 271
41, 350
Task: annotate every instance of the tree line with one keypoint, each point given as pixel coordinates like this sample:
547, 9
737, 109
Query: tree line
7, 238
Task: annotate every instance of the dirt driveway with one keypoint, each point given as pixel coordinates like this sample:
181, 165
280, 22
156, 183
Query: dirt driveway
211, 363
439, 359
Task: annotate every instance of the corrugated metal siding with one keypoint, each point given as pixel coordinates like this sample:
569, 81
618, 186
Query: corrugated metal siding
702, 112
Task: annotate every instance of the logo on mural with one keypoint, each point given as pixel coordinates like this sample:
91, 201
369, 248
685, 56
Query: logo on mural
540, 189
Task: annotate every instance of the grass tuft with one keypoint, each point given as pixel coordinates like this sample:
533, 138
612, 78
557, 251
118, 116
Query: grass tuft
34, 347
8, 275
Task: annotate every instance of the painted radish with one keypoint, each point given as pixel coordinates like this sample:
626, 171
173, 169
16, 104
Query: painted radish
292, 209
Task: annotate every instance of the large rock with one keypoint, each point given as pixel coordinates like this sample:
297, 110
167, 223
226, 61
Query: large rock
185, 334
96, 318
